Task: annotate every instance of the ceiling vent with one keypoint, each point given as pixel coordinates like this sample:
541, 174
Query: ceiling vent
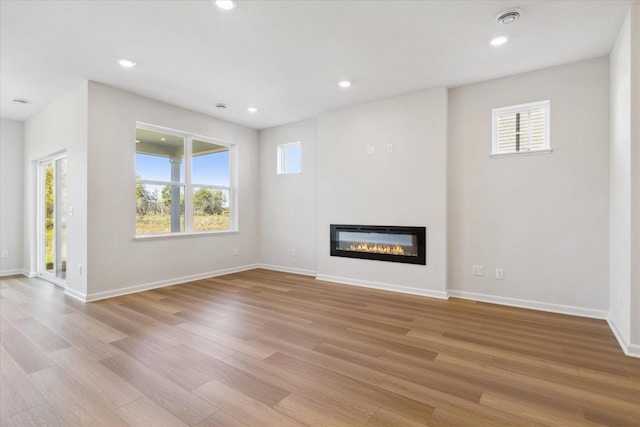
508, 16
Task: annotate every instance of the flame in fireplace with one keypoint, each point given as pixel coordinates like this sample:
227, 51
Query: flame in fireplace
375, 248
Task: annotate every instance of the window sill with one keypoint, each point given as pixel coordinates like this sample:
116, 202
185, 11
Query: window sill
522, 153
173, 235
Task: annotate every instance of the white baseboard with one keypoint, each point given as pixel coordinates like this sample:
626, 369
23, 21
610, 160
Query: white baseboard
75, 294
383, 286
154, 285
533, 305
13, 272
284, 269
629, 349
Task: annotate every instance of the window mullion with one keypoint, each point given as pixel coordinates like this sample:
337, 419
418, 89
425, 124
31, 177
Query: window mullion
188, 190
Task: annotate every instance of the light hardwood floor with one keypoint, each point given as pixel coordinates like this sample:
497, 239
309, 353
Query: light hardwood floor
262, 348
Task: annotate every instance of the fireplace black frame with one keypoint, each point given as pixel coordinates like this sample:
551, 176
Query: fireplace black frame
419, 232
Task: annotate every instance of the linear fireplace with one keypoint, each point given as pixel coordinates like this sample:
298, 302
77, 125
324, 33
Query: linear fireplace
382, 243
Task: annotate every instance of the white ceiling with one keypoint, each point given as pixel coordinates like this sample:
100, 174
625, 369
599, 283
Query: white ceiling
285, 57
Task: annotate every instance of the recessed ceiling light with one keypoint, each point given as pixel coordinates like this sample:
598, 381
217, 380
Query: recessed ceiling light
498, 41
221, 106
508, 16
252, 109
20, 101
344, 84
127, 63
163, 139
226, 4
137, 141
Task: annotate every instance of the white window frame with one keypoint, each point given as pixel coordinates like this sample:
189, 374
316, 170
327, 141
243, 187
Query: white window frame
522, 108
281, 153
188, 185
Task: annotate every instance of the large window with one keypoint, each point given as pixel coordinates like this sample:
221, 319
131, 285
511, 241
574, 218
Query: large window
521, 129
183, 183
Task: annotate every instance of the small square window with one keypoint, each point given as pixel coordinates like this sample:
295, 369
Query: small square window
520, 129
289, 158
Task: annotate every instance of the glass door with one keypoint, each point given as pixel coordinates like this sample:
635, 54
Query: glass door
52, 206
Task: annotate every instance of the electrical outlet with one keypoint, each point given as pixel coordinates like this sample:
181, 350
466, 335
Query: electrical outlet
389, 148
5, 254
477, 270
293, 253
499, 273
235, 251
371, 150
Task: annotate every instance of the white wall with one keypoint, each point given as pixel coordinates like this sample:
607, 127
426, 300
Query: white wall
11, 195
620, 183
116, 261
60, 126
624, 185
542, 218
287, 202
634, 345
405, 187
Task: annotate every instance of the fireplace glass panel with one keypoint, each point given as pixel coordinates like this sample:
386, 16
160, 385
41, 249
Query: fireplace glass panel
381, 243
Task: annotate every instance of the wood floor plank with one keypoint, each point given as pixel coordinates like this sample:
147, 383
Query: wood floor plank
215, 369
42, 415
265, 348
184, 405
44, 337
243, 407
17, 393
219, 419
94, 377
248, 347
143, 412
27, 354
318, 413
74, 403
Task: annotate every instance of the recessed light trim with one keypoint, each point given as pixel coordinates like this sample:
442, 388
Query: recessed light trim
508, 16
226, 4
126, 63
499, 41
252, 109
221, 106
20, 101
344, 84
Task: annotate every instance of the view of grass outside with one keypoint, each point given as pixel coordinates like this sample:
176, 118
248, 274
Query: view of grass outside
153, 209
50, 201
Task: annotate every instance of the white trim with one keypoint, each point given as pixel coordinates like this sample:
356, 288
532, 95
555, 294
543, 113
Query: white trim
12, 272
160, 284
281, 155
631, 350
52, 279
383, 286
532, 305
522, 153
187, 185
75, 294
284, 269
182, 234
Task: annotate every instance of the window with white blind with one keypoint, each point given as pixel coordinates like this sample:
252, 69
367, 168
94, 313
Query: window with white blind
521, 129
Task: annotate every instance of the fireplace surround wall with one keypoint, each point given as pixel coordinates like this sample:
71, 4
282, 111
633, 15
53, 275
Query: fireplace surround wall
382, 243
